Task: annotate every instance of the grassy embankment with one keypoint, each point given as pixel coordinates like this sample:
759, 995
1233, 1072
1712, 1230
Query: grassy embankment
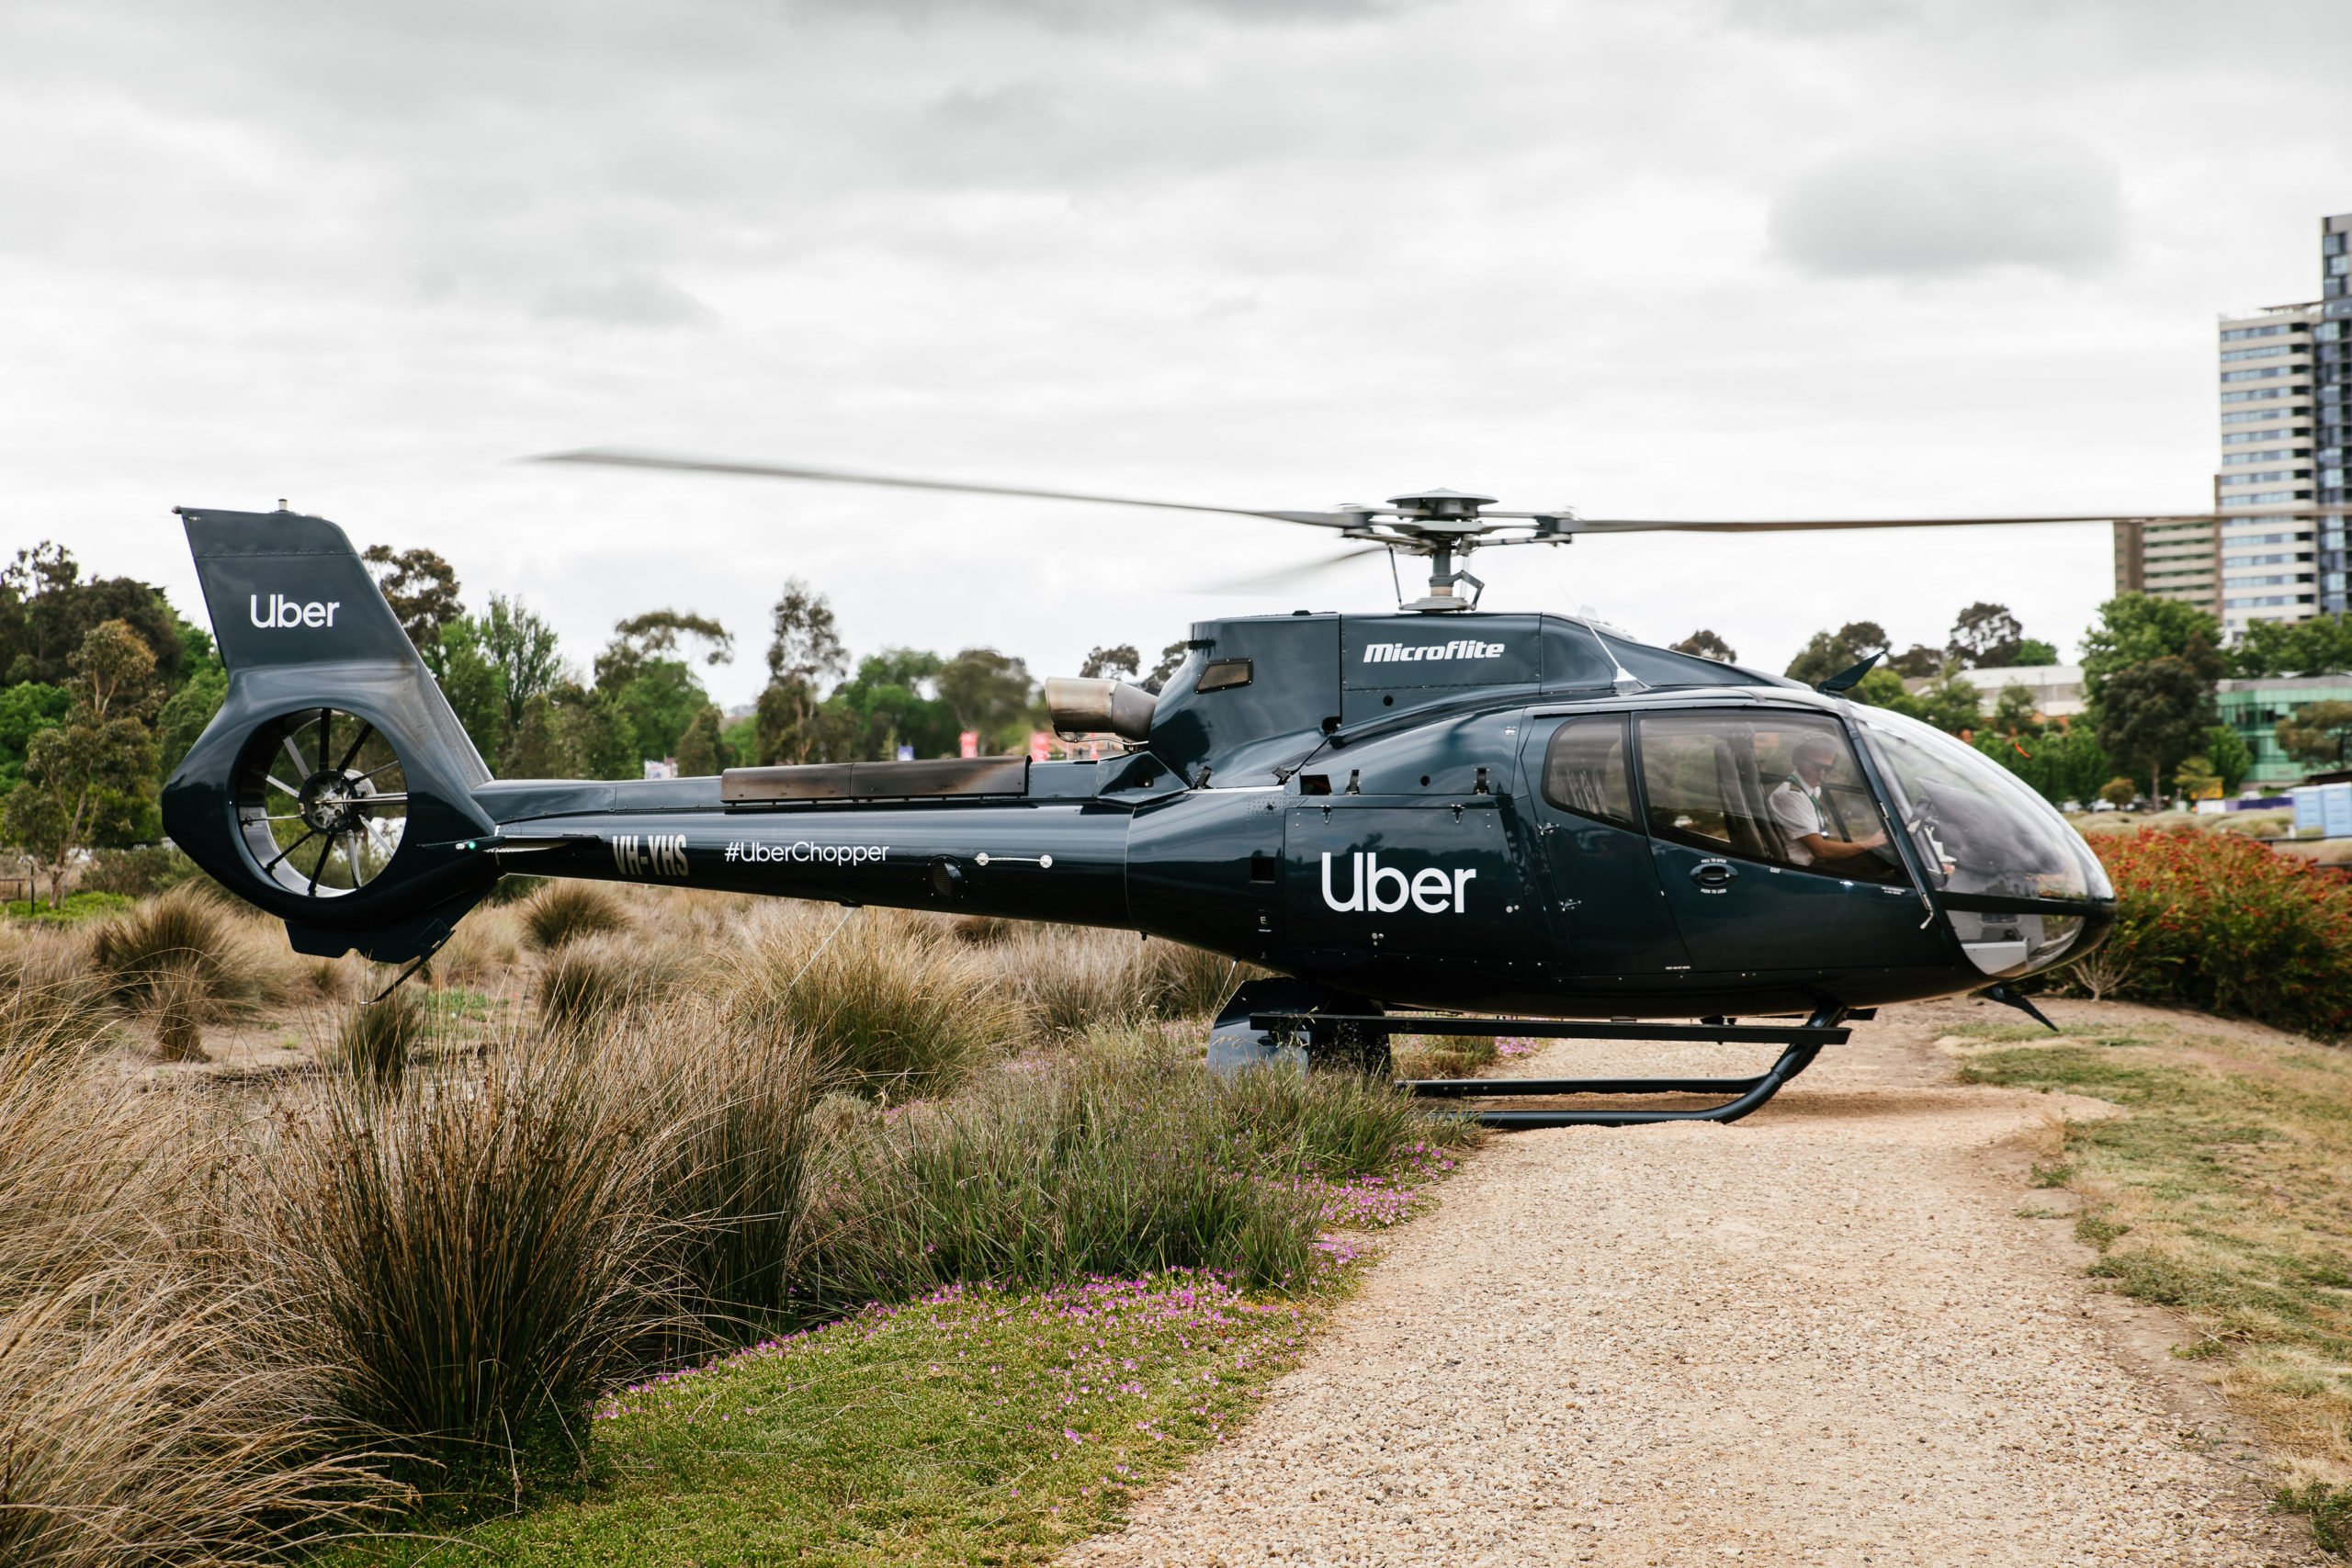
2223, 1193
391, 1283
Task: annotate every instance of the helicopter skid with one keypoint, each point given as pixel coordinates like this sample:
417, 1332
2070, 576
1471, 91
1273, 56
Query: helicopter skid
1803, 1042
1748, 1095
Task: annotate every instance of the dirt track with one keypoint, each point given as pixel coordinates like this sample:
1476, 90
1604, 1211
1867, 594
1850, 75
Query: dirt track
1821, 1337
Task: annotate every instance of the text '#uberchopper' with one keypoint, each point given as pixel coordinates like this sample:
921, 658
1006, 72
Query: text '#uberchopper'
1524, 815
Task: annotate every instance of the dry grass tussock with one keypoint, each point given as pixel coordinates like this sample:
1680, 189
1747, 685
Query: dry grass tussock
238, 959
47, 990
584, 983
373, 1040
143, 1421
566, 911
465, 1257
482, 951
1072, 979
231, 1321
892, 1005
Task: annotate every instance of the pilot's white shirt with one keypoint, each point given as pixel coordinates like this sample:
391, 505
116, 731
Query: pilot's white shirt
1796, 812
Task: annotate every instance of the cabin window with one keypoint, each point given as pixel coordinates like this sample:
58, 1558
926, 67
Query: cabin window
1585, 771
1714, 781
1224, 673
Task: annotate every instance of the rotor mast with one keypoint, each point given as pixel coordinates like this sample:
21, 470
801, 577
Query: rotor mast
1440, 524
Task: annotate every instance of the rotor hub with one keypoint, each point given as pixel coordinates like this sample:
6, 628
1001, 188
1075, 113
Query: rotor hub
1432, 504
334, 801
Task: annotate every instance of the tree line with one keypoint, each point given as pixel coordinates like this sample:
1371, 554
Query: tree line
2150, 667
104, 687
532, 714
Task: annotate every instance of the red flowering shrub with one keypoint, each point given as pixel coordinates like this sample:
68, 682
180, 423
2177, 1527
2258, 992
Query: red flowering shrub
2221, 924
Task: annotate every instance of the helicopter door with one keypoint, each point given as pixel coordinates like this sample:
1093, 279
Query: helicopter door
1761, 817
1603, 884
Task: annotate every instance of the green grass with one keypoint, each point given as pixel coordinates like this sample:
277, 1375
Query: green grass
975, 1426
2224, 1194
76, 908
456, 1004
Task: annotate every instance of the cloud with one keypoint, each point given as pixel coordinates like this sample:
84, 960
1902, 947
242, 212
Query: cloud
631, 297
1952, 205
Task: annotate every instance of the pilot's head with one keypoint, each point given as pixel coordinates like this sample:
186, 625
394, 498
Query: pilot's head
1816, 759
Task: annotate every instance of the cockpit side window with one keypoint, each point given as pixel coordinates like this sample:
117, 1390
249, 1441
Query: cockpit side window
1757, 785
1585, 771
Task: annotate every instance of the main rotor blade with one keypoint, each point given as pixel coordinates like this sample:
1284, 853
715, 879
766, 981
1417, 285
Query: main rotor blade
1636, 525
1284, 577
618, 457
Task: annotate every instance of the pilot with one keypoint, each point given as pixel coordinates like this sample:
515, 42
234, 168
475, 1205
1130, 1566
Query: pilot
1796, 810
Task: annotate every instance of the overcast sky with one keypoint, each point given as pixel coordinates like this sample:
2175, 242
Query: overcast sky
1675, 257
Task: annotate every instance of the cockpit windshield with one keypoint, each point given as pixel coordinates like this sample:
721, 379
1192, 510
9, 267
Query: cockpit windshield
1979, 827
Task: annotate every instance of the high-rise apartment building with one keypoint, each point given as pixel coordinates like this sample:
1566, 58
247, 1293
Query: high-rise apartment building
2269, 539
2277, 551
2332, 407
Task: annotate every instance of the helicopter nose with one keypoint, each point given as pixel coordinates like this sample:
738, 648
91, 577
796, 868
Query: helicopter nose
2020, 888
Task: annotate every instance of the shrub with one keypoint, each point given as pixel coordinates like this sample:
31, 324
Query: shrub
140, 873
2215, 922
565, 911
1071, 1168
465, 1260
234, 963
890, 1007
373, 1039
1119, 1160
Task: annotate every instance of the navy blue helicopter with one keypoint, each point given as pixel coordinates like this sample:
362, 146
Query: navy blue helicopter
1440, 820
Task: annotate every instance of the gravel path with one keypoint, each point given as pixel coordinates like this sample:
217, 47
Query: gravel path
1822, 1337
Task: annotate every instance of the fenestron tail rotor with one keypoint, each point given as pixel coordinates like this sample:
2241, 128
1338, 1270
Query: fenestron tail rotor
321, 801
1443, 525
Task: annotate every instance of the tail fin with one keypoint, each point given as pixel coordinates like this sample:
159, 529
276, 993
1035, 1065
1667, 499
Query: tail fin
333, 788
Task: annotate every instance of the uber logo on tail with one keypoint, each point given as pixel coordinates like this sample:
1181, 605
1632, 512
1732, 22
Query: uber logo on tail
284, 611
1429, 890
656, 854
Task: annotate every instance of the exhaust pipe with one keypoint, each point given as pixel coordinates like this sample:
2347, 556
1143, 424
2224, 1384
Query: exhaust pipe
1082, 704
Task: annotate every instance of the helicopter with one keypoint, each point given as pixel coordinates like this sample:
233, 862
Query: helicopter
1438, 819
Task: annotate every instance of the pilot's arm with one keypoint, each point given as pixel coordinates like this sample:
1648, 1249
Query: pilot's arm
1800, 823
1827, 849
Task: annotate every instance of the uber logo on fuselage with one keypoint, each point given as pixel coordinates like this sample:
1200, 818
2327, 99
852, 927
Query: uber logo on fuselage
284, 611
1429, 890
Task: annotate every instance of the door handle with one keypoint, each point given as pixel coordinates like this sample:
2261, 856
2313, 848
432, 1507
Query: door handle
1713, 873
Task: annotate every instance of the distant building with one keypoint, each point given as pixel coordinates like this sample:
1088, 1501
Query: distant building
2332, 407
2253, 708
2270, 544
2276, 555
2057, 688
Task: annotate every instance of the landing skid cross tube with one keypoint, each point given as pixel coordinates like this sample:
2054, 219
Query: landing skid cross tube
1802, 1042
